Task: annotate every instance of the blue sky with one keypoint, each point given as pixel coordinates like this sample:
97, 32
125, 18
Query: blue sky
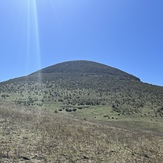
126, 34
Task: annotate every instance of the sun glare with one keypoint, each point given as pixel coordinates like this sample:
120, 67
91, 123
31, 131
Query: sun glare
33, 40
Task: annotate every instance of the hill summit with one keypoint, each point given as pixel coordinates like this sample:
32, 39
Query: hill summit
82, 67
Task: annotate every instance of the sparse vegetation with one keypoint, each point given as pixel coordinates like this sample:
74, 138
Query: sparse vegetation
34, 135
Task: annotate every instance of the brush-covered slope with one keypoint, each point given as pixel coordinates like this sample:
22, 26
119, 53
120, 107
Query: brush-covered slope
83, 83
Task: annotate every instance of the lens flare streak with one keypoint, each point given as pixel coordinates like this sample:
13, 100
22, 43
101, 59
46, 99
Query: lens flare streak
33, 40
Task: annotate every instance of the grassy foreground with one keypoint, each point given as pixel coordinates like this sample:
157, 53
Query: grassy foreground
39, 136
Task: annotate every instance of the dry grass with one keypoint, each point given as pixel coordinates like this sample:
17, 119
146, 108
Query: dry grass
31, 135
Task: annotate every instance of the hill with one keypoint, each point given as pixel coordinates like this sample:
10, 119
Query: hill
83, 83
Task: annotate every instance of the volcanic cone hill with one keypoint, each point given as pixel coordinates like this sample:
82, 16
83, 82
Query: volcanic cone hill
84, 83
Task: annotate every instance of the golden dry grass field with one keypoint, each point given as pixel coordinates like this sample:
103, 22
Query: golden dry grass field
29, 135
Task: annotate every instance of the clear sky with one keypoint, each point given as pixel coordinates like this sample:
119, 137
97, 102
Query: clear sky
126, 34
